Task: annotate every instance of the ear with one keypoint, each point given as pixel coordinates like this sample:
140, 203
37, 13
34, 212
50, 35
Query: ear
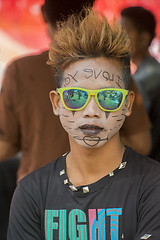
54, 97
146, 38
44, 14
129, 104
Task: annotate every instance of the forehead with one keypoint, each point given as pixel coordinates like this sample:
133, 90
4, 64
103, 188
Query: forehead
93, 71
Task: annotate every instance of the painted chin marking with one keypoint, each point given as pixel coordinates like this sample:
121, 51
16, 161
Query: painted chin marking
91, 141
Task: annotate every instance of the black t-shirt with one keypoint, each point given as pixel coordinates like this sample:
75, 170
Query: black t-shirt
125, 204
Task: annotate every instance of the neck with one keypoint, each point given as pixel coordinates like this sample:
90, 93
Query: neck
86, 165
139, 57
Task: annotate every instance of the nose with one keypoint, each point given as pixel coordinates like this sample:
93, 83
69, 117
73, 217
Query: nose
92, 109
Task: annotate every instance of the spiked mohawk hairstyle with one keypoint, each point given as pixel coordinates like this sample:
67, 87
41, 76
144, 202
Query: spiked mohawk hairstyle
88, 35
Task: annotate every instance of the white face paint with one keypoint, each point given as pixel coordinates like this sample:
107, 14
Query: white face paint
91, 127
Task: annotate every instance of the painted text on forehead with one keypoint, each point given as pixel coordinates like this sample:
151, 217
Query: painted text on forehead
79, 72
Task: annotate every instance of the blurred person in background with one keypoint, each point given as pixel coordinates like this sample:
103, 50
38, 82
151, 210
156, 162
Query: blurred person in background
140, 24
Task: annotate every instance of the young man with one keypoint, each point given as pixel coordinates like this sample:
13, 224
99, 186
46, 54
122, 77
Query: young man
100, 189
27, 123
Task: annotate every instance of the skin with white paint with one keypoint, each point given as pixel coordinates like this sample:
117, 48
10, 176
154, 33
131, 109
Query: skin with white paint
92, 74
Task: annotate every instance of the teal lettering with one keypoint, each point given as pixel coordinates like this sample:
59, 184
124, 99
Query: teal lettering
77, 225
50, 225
114, 214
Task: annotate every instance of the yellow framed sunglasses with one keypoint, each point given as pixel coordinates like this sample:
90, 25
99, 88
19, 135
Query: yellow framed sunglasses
108, 99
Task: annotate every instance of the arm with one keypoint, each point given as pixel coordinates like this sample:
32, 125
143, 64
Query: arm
7, 150
24, 222
136, 131
9, 125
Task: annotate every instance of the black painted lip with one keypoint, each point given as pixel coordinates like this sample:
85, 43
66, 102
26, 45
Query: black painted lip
89, 130
90, 126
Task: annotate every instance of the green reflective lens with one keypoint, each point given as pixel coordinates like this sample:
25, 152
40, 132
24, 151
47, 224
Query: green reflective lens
75, 98
110, 99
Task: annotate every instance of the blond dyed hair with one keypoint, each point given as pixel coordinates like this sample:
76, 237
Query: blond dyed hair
88, 35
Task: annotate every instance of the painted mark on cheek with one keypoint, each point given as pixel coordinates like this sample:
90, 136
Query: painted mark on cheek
107, 114
64, 115
67, 127
70, 121
73, 112
118, 116
119, 120
116, 127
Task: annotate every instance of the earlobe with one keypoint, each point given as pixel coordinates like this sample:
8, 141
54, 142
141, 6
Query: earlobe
54, 97
129, 104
